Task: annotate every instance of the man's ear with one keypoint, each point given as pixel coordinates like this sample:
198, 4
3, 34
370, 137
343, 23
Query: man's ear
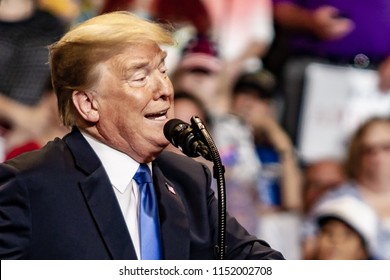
86, 105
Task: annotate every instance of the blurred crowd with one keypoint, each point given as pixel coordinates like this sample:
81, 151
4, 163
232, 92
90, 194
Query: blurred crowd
242, 69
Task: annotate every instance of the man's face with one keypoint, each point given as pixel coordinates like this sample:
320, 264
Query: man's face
135, 100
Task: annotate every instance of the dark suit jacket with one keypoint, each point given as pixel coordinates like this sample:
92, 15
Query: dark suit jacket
58, 203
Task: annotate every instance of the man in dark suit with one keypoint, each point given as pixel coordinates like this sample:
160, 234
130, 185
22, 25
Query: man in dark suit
74, 198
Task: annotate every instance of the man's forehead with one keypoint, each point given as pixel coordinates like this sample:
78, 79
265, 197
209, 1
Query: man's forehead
130, 58
140, 54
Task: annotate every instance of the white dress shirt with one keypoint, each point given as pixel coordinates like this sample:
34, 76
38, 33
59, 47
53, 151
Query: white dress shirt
121, 169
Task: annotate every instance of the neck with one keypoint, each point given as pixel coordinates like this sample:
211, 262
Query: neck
377, 185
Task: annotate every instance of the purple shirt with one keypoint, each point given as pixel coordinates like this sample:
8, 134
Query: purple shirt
371, 35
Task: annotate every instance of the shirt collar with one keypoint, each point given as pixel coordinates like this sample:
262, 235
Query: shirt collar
120, 167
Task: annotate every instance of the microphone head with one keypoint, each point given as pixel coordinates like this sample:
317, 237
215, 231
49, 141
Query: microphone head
172, 130
181, 135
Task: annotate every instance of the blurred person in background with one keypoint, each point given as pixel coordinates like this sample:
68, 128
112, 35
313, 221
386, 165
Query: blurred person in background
319, 177
368, 179
243, 33
280, 180
186, 106
335, 32
50, 127
25, 33
348, 230
200, 73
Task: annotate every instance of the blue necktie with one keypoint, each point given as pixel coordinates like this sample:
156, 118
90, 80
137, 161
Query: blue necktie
148, 215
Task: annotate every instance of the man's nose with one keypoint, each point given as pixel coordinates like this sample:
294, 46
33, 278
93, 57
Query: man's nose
163, 85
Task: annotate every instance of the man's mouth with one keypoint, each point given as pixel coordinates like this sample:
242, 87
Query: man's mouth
159, 116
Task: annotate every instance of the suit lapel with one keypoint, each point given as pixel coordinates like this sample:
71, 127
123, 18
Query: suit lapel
101, 200
173, 220
107, 214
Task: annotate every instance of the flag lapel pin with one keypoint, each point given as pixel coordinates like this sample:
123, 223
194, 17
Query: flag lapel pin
170, 188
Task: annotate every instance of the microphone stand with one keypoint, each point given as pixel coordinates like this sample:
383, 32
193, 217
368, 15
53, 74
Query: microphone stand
218, 174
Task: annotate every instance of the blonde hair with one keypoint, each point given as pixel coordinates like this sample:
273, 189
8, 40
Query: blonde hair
73, 59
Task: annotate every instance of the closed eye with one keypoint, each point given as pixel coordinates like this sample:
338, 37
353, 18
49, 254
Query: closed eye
140, 79
137, 80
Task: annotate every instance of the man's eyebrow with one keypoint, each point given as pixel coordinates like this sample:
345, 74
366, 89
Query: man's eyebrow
136, 65
130, 68
164, 55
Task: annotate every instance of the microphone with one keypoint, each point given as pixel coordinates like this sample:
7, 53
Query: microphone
183, 136
191, 139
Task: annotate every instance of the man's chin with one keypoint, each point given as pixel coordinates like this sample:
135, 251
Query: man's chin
165, 144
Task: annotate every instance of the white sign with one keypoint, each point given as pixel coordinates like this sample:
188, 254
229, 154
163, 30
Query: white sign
336, 101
